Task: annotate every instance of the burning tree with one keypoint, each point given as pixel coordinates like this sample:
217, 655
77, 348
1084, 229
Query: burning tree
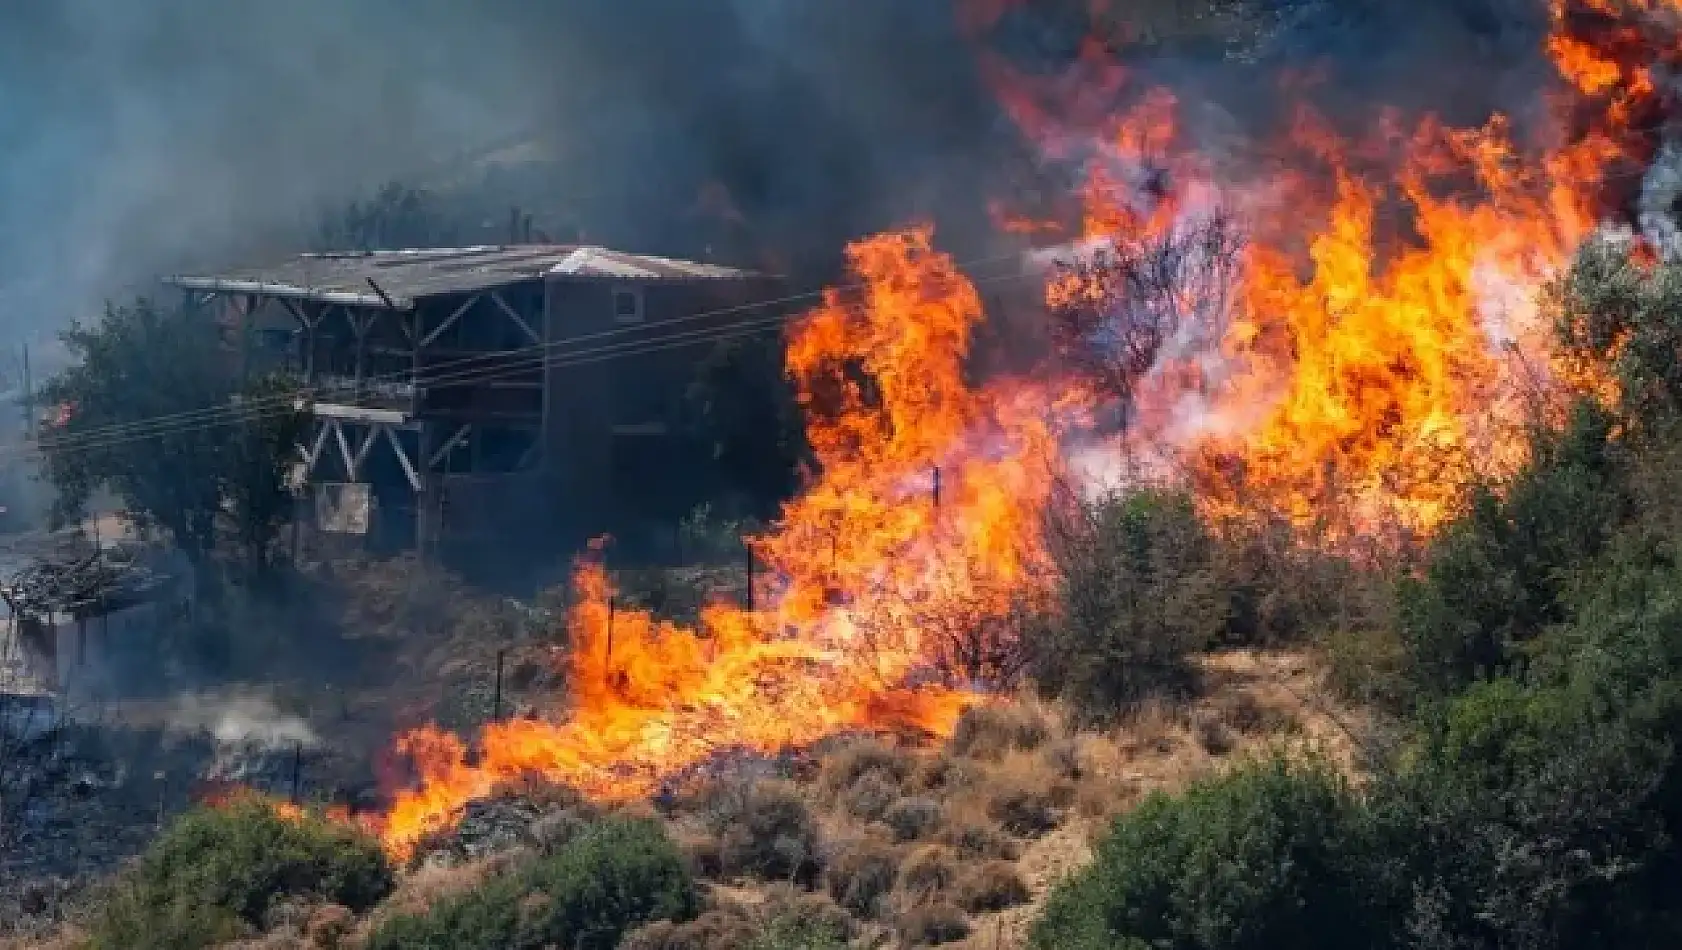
1137, 300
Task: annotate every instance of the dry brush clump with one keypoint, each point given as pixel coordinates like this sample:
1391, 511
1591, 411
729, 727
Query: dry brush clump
860, 876
927, 873
989, 887
760, 829
990, 732
930, 925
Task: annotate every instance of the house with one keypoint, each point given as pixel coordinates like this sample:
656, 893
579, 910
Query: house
482, 392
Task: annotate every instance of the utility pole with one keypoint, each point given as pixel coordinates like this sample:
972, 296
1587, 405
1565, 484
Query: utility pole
28, 395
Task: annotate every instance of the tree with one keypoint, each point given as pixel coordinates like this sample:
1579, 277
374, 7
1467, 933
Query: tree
744, 416
150, 414
397, 216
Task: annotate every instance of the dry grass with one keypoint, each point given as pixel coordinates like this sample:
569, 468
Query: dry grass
954, 845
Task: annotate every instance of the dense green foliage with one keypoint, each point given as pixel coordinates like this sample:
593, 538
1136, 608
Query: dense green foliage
1269, 856
1536, 798
215, 873
219, 463
1139, 592
611, 877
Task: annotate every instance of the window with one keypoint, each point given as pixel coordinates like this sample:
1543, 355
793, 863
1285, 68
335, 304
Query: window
627, 305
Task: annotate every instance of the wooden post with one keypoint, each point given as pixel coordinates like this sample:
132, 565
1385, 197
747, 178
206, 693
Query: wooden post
937, 486
297, 769
496, 696
28, 395
749, 549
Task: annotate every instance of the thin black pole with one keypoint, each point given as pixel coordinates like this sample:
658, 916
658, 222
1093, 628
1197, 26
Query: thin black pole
937, 486
750, 577
496, 698
297, 769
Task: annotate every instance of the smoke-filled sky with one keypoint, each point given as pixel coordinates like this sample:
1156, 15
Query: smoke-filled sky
141, 136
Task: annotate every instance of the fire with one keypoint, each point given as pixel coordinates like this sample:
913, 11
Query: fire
1380, 343
1372, 343
925, 505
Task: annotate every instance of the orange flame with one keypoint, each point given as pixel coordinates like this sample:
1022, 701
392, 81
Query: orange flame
1382, 342
856, 562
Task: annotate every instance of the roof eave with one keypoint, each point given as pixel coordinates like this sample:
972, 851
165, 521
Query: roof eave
266, 289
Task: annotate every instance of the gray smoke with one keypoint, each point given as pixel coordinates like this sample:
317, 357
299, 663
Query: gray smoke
141, 136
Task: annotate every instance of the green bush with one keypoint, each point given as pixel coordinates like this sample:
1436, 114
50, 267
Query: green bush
1270, 855
1497, 577
614, 876
217, 871
1139, 592
794, 933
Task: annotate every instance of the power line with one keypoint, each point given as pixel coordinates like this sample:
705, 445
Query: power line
257, 409
450, 371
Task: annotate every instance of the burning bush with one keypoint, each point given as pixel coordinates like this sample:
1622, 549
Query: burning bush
619, 873
217, 871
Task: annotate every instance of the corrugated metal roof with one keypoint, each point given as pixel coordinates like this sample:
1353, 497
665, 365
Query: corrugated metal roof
409, 275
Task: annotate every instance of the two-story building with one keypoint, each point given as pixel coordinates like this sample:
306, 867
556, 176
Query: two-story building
485, 391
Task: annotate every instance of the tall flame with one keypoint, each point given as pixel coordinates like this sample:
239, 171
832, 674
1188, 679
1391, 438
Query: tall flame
1381, 342
1375, 343
925, 505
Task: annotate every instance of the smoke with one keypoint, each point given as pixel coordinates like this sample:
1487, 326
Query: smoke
140, 136
143, 136
237, 720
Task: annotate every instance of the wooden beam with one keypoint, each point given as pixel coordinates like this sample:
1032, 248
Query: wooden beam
403, 459
344, 450
449, 445
514, 315
320, 443
366, 446
449, 321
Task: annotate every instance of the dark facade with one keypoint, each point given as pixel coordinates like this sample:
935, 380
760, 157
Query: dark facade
486, 395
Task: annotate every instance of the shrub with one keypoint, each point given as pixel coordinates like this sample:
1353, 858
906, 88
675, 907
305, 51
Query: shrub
216, 871
974, 841
852, 762
772, 837
932, 924
619, 873
1023, 810
713, 930
869, 798
1139, 592
1270, 855
992, 886
988, 732
913, 818
860, 876
928, 872
1497, 577
792, 933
